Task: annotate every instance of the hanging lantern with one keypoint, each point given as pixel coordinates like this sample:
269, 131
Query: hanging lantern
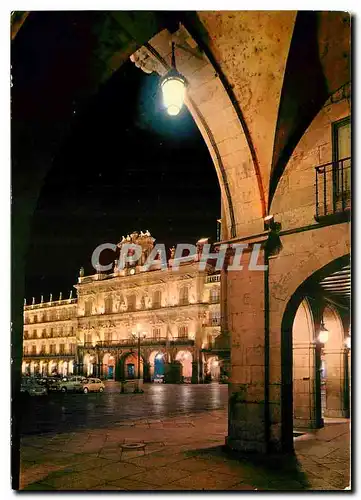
173, 87
323, 334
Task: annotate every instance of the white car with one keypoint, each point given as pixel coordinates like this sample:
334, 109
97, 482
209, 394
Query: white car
92, 385
74, 383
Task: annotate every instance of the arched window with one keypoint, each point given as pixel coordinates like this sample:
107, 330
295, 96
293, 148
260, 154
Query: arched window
108, 305
157, 299
215, 318
183, 295
214, 295
156, 333
183, 332
131, 302
88, 308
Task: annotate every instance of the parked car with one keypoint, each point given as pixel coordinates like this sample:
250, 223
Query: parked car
93, 385
31, 387
52, 383
71, 384
158, 379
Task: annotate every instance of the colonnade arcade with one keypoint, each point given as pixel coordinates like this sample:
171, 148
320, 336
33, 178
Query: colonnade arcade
45, 367
180, 364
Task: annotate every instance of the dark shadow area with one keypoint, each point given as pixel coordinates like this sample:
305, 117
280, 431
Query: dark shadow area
274, 472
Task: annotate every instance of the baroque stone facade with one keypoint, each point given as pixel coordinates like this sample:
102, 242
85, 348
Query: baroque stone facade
174, 314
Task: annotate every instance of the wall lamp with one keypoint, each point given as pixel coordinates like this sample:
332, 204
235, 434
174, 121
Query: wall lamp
323, 333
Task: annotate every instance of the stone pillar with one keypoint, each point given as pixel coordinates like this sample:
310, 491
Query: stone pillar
195, 372
305, 411
246, 322
146, 372
335, 383
119, 370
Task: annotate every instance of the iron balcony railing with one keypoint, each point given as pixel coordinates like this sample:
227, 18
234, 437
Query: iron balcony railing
333, 188
213, 322
49, 355
215, 278
144, 342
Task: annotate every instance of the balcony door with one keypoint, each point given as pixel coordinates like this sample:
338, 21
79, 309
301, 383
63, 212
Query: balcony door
341, 150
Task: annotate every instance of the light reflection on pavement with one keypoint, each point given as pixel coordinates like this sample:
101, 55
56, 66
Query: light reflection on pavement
59, 412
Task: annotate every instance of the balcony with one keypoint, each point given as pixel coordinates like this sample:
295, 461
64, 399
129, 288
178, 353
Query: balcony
162, 341
333, 190
213, 322
66, 354
215, 278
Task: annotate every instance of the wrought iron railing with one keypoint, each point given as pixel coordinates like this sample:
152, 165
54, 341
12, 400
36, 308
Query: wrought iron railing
66, 354
144, 342
213, 322
215, 278
333, 188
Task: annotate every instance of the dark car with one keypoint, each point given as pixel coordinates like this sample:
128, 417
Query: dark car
31, 387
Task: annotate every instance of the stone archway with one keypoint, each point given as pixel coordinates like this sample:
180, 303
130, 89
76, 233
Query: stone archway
297, 309
130, 366
213, 368
157, 361
306, 389
89, 365
109, 366
222, 117
185, 358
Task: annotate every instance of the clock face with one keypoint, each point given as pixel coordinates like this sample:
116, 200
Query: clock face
132, 271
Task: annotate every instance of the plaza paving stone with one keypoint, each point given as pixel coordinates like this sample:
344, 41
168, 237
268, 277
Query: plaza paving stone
180, 458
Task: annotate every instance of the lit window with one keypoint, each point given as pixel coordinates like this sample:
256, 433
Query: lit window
183, 332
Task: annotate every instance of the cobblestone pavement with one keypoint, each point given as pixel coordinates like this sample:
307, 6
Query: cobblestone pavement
67, 412
179, 452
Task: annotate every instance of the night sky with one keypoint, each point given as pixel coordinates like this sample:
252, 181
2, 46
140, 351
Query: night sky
125, 165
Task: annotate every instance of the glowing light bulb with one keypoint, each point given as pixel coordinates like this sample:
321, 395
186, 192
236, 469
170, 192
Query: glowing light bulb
174, 90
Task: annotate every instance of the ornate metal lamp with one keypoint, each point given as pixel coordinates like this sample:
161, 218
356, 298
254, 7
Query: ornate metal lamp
173, 86
323, 333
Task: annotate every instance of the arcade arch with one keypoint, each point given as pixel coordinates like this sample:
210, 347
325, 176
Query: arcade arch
185, 358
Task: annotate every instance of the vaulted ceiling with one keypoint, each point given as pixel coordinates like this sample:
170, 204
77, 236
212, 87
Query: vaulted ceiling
278, 69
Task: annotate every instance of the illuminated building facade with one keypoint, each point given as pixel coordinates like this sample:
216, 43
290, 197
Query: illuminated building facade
173, 314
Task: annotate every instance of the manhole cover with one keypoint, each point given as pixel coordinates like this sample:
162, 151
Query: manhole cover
132, 446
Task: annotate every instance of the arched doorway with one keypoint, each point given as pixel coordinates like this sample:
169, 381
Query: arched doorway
43, 368
334, 384
185, 358
71, 367
53, 370
315, 384
157, 360
213, 369
131, 366
109, 366
89, 365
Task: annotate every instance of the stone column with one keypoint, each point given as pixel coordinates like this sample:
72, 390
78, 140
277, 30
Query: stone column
246, 322
146, 372
335, 383
195, 372
305, 414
